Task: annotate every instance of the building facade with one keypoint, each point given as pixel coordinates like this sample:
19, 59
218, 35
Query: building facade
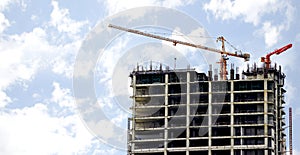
176, 112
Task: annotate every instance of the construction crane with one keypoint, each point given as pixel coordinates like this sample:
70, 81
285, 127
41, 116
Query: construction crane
223, 52
267, 59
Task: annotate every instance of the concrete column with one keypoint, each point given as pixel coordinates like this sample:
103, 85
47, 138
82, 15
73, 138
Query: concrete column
209, 116
231, 117
133, 112
277, 116
166, 115
266, 114
187, 112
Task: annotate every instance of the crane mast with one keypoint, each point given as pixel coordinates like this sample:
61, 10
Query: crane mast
223, 60
224, 54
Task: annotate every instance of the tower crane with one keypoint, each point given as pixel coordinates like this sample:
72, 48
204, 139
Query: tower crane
267, 58
223, 52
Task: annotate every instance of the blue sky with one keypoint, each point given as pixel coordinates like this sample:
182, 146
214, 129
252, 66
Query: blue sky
39, 42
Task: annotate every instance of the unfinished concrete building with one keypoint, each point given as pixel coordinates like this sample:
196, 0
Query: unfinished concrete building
180, 111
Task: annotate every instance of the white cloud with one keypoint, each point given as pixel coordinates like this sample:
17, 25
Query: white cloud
36, 96
107, 127
177, 36
297, 112
109, 57
33, 131
271, 33
60, 18
63, 63
20, 48
250, 11
4, 5
22, 4
110, 152
20, 58
22, 55
83, 69
297, 38
114, 6
34, 17
291, 92
196, 57
63, 67
62, 96
4, 99
253, 12
4, 23
176, 3
122, 117
296, 152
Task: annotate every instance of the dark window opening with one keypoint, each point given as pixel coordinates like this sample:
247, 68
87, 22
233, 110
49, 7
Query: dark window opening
220, 86
196, 98
221, 142
248, 85
248, 97
220, 98
221, 131
177, 143
150, 78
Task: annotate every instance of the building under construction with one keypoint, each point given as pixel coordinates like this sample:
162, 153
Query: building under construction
181, 111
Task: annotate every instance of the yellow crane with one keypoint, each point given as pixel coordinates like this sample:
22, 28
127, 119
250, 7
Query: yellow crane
223, 52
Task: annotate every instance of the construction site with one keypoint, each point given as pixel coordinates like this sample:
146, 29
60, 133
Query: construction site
185, 112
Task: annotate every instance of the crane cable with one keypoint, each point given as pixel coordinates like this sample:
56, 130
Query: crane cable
195, 36
236, 50
177, 34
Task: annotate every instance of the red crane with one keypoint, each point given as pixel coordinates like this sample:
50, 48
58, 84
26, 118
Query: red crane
267, 59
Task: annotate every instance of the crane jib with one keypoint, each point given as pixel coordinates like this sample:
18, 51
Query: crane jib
175, 42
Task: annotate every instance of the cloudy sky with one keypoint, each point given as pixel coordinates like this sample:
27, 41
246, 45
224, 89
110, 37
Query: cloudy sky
39, 44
